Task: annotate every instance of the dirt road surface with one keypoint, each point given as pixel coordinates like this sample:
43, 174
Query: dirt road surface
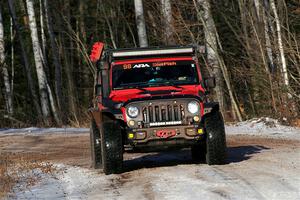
258, 168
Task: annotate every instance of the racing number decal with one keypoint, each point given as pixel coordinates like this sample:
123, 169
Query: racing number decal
127, 66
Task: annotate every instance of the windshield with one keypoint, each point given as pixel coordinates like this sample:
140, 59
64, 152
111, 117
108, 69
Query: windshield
154, 74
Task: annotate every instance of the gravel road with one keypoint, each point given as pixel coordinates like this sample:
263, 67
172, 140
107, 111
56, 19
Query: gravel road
258, 168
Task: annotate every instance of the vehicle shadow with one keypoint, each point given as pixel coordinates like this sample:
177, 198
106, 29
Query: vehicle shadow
181, 157
241, 153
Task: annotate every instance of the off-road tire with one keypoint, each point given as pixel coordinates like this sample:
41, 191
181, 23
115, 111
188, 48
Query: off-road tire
215, 139
198, 152
95, 146
112, 148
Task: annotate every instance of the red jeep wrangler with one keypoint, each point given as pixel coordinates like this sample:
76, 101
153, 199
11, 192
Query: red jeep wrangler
153, 98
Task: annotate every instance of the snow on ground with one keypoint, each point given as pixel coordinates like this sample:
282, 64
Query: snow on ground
265, 127
270, 175
40, 131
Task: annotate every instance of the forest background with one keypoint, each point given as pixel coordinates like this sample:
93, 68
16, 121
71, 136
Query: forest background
252, 48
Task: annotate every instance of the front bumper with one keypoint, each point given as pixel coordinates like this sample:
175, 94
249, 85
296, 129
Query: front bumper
168, 133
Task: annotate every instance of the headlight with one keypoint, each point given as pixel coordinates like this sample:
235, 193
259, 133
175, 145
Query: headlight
132, 111
193, 107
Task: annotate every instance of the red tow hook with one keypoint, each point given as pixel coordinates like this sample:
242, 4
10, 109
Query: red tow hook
166, 133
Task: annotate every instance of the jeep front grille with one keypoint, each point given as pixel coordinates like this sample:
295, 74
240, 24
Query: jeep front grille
155, 114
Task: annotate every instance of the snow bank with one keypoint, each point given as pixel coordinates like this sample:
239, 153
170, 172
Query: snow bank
40, 131
266, 127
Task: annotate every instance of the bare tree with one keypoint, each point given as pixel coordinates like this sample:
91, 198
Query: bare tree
64, 45
43, 36
166, 9
267, 36
280, 46
8, 92
140, 23
112, 37
55, 56
12, 56
215, 61
45, 90
25, 59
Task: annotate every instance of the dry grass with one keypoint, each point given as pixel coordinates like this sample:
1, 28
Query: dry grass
296, 123
21, 171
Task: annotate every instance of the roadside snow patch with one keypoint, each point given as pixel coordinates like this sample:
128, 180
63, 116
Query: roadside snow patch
41, 131
266, 127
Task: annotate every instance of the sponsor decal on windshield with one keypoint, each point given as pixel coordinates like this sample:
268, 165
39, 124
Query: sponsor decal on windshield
162, 64
141, 66
147, 65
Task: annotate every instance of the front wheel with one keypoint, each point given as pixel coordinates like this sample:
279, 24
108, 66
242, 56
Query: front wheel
112, 147
215, 139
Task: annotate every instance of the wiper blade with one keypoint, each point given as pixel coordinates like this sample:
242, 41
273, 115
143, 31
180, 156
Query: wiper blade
166, 84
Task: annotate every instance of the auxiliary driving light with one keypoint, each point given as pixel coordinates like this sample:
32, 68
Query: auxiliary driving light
196, 118
140, 135
131, 123
200, 131
130, 135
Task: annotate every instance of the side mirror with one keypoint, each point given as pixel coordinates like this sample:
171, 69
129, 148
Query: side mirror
210, 83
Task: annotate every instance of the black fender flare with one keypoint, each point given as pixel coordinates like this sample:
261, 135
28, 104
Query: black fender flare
210, 107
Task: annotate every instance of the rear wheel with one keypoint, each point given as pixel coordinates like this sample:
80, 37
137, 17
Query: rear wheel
95, 146
112, 147
215, 139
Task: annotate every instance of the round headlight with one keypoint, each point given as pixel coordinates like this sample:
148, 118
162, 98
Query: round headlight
193, 107
132, 111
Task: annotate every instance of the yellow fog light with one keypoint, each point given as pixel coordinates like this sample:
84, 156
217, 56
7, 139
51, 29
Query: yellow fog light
200, 131
131, 123
196, 119
130, 135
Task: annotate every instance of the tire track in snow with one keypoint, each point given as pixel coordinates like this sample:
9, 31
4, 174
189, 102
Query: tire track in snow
226, 185
234, 181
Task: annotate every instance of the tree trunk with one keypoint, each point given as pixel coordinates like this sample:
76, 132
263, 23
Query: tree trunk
153, 23
268, 42
68, 64
167, 22
56, 60
212, 54
219, 68
257, 8
140, 23
25, 60
43, 36
280, 46
45, 91
8, 92
112, 37
12, 49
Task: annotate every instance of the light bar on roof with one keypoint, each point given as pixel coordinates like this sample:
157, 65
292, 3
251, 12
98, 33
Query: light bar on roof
152, 52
